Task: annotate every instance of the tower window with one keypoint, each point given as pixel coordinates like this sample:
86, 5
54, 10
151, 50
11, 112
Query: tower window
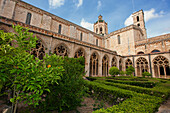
96, 30
138, 24
118, 38
81, 36
137, 18
101, 30
96, 42
59, 30
28, 19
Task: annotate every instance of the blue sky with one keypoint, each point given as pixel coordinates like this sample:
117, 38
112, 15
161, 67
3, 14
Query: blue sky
115, 12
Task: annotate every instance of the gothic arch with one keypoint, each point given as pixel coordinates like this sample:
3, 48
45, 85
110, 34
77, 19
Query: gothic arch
105, 65
142, 66
161, 66
79, 52
39, 51
128, 63
61, 50
94, 63
114, 62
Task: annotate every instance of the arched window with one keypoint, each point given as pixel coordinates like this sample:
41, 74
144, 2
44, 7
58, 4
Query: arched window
81, 36
59, 29
96, 30
39, 51
137, 18
93, 65
140, 53
105, 66
101, 29
128, 63
114, 62
61, 51
79, 53
161, 66
118, 38
121, 64
155, 51
142, 66
28, 19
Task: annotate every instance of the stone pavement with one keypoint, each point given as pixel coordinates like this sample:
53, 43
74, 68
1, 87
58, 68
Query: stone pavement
165, 107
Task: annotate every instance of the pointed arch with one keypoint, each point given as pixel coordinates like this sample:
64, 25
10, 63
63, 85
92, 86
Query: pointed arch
94, 61
105, 65
128, 63
61, 50
114, 62
161, 66
79, 52
142, 66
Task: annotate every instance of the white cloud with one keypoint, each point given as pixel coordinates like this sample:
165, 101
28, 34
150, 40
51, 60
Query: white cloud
151, 14
86, 25
55, 3
99, 5
128, 21
80, 3
148, 15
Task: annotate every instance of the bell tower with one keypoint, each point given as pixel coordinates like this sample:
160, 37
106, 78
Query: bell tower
138, 20
100, 27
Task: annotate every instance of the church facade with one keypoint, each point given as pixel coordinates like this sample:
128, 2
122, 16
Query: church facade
101, 50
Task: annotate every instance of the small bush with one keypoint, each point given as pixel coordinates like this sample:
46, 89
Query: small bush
130, 70
144, 74
122, 72
113, 71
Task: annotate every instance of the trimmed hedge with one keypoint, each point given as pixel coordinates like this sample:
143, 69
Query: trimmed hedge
151, 91
147, 84
128, 101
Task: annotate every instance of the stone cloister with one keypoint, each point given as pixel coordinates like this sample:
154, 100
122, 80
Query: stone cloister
121, 48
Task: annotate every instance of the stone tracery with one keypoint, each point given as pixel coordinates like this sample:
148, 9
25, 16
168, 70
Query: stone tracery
142, 66
39, 51
105, 66
161, 66
61, 50
94, 65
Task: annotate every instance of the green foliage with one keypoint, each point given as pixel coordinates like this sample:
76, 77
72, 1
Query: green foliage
26, 76
144, 74
113, 71
126, 101
130, 70
122, 73
68, 94
147, 84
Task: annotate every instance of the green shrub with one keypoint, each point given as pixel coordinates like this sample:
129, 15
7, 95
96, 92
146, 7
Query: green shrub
130, 70
124, 101
144, 74
67, 95
113, 71
147, 84
122, 72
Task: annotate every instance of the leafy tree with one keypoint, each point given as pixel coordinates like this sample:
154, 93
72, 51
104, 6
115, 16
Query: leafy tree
144, 74
113, 71
28, 77
70, 91
130, 70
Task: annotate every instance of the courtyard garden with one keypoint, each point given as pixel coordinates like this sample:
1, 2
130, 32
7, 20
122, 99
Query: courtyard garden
56, 84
